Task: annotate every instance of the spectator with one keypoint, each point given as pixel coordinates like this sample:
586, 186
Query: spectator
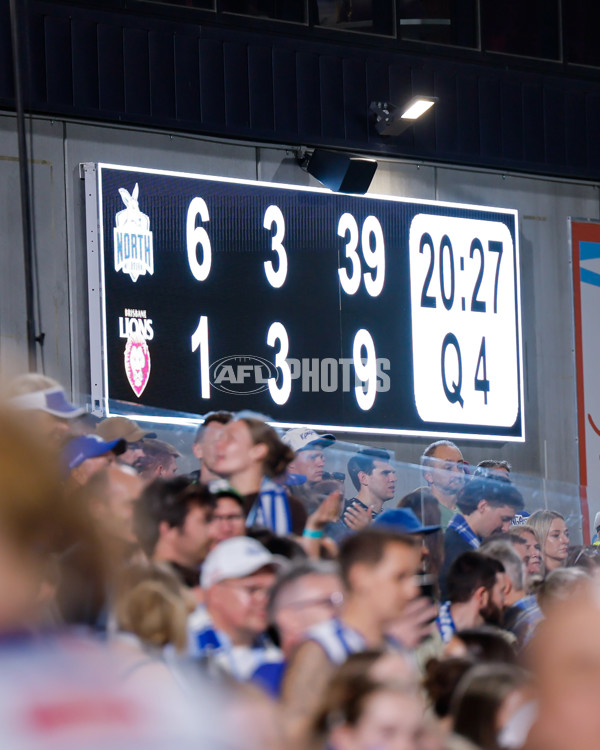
565, 656
416, 622
83, 456
151, 605
491, 704
487, 506
360, 714
424, 505
228, 518
121, 428
378, 573
304, 594
487, 468
204, 444
283, 546
109, 496
49, 414
553, 535
559, 586
227, 633
404, 521
308, 446
37, 521
485, 643
172, 521
250, 455
582, 556
475, 595
533, 557
442, 677
522, 614
374, 480
443, 471
596, 537
159, 460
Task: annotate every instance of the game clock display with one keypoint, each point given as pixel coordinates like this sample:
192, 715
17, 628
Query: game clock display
365, 314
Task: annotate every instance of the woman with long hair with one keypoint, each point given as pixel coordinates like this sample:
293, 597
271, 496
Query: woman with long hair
553, 535
250, 456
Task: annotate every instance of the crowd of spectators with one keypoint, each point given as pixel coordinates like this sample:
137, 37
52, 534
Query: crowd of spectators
254, 603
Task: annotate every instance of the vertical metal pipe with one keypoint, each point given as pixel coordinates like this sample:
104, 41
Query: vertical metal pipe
15, 28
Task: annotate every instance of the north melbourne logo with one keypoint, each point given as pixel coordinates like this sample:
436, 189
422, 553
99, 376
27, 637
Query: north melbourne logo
134, 253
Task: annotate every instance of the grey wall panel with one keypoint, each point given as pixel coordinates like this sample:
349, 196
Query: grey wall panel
12, 305
47, 182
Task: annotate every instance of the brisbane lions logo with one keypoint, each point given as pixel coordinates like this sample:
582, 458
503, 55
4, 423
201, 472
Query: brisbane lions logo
137, 363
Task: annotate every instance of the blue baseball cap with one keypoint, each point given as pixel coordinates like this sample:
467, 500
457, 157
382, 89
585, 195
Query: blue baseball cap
404, 521
83, 447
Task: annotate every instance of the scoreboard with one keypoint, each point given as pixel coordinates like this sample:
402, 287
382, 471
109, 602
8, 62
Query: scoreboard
370, 314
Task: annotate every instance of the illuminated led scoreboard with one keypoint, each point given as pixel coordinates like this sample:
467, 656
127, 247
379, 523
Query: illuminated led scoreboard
350, 313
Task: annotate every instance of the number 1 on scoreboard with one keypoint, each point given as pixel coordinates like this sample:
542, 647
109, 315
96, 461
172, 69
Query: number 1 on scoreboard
200, 339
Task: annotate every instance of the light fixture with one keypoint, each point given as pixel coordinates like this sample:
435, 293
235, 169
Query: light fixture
392, 120
339, 172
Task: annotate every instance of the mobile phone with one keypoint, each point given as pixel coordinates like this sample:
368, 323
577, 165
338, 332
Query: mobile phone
428, 588
426, 584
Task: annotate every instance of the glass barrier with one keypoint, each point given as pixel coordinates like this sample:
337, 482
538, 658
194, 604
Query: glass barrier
341, 462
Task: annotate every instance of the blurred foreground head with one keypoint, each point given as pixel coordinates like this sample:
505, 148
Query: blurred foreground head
36, 521
42, 402
565, 656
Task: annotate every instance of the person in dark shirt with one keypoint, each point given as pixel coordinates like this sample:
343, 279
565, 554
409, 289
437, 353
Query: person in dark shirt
486, 506
172, 521
374, 479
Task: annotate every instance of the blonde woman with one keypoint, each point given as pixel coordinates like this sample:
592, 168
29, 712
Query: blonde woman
150, 612
553, 535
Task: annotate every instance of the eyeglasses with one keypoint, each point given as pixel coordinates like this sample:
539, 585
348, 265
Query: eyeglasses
228, 518
249, 591
335, 601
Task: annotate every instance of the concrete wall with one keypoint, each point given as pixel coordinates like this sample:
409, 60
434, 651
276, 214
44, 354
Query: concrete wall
57, 149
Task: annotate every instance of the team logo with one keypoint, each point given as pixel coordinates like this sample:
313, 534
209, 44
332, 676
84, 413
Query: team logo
136, 327
137, 363
134, 253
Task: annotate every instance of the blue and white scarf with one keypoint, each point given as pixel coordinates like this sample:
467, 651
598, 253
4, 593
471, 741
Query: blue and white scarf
214, 648
271, 509
445, 623
462, 528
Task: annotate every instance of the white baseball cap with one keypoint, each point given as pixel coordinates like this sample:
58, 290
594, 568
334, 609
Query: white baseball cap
51, 400
301, 438
597, 520
237, 558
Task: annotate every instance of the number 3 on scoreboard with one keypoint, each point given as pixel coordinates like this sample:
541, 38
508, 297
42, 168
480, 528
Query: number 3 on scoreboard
280, 393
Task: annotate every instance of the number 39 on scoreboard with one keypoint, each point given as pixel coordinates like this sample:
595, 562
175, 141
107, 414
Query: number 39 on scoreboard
464, 320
